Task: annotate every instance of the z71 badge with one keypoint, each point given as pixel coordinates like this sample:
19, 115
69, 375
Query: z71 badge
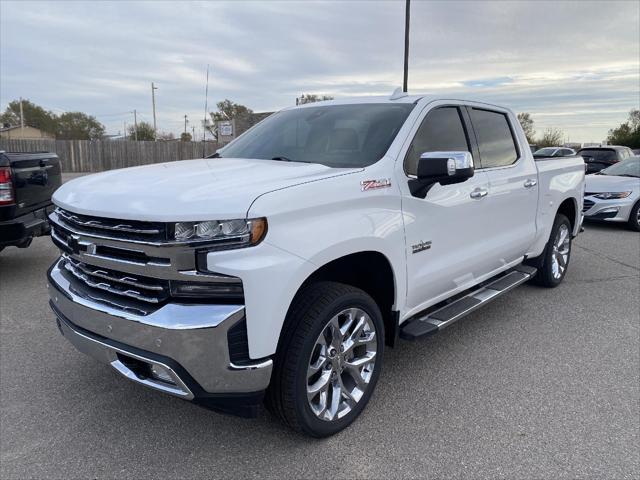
373, 184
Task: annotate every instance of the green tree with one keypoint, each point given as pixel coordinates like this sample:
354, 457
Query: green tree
185, 137
34, 116
78, 126
227, 110
145, 132
527, 125
628, 133
552, 137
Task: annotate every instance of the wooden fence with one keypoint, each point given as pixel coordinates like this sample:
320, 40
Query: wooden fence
97, 156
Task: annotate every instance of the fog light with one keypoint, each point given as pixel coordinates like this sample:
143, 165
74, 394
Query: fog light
161, 373
230, 290
609, 210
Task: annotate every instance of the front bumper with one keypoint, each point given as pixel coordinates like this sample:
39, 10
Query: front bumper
615, 210
187, 341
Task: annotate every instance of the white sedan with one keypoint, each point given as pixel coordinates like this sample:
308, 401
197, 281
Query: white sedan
613, 194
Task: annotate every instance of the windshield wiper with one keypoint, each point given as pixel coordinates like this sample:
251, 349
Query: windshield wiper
628, 175
287, 159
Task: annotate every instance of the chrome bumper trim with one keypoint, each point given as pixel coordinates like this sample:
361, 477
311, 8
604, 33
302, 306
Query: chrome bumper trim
108, 354
194, 336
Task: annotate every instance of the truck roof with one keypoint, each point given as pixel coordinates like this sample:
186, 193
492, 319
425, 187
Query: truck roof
396, 97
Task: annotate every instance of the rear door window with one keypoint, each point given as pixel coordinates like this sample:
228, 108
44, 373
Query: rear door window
495, 138
440, 131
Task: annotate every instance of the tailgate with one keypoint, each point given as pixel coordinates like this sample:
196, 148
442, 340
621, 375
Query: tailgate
35, 177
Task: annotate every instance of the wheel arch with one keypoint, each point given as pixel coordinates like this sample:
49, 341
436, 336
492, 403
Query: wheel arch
370, 271
569, 208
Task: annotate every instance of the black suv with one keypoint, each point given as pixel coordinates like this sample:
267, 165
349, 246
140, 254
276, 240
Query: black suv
598, 158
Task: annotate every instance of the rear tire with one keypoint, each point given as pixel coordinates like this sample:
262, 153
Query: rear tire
556, 255
329, 359
634, 218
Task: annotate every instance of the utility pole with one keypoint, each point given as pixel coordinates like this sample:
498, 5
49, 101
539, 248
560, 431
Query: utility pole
135, 123
407, 16
204, 123
125, 129
185, 124
153, 101
21, 115
193, 133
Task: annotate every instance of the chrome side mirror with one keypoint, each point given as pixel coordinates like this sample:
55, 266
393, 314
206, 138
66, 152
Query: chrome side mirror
444, 168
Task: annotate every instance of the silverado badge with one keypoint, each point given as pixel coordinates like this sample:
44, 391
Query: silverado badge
419, 247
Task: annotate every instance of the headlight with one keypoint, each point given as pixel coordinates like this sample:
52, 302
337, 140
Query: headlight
612, 195
227, 233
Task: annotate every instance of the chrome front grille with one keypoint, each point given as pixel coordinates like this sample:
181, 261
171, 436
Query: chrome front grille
587, 204
117, 229
143, 289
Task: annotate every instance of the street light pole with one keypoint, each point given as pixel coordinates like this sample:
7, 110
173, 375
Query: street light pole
153, 101
407, 16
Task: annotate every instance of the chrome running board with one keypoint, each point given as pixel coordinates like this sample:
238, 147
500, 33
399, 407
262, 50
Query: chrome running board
434, 321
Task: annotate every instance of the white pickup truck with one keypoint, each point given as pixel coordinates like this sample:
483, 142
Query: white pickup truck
280, 268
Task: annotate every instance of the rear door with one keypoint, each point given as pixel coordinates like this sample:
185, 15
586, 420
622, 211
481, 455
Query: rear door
512, 201
35, 177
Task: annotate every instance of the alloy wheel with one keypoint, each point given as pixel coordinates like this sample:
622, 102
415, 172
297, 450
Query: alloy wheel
560, 254
341, 364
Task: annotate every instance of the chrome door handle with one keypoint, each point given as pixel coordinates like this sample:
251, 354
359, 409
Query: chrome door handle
530, 183
479, 193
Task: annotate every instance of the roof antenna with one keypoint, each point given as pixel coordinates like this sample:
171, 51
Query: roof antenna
398, 93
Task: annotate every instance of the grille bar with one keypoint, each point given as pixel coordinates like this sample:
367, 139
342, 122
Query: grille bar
113, 283
587, 204
105, 275
85, 223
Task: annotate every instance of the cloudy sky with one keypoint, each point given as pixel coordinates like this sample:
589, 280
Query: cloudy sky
573, 65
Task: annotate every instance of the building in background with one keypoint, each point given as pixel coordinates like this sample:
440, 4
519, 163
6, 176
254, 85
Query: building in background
24, 133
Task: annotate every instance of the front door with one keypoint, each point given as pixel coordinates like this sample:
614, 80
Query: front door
444, 231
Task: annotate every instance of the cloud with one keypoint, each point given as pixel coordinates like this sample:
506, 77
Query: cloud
572, 65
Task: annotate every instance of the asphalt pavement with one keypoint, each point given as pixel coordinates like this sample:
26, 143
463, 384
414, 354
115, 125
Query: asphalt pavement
539, 384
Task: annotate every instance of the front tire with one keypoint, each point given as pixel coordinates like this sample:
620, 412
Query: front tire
329, 359
556, 255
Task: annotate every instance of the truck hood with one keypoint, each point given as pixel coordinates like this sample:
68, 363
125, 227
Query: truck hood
187, 190
610, 183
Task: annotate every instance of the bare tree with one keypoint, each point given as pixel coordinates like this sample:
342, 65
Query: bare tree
165, 136
311, 98
527, 125
552, 137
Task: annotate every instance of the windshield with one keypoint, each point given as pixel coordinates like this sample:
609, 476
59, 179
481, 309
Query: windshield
627, 168
354, 135
599, 154
545, 152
